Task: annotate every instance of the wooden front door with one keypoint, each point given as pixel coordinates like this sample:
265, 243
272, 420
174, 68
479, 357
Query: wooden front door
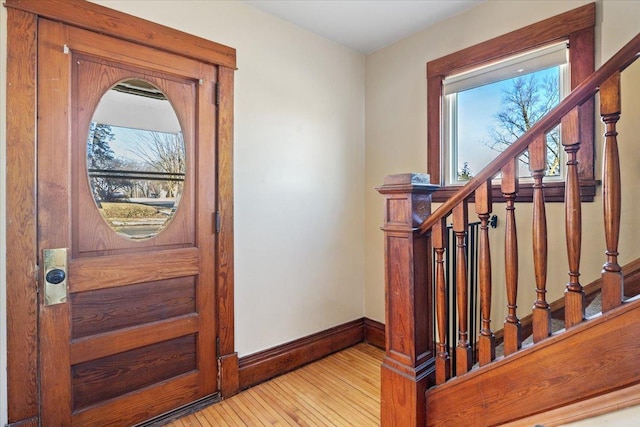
134, 333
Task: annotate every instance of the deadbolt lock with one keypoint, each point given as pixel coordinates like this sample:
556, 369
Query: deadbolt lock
55, 276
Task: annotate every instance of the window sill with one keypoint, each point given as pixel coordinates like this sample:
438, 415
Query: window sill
553, 192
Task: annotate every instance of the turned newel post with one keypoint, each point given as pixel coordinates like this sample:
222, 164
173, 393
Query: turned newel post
409, 359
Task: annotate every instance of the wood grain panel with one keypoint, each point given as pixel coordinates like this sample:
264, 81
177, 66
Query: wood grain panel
54, 230
159, 398
107, 344
229, 374
109, 309
400, 309
104, 272
116, 375
207, 193
22, 299
224, 243
92, 43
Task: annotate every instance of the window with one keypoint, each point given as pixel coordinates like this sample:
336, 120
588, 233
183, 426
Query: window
486, 109
482, 98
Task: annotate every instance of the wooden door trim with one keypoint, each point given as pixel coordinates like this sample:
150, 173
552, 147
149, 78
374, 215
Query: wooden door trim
22, 304
228, 357
100, 19
22, 253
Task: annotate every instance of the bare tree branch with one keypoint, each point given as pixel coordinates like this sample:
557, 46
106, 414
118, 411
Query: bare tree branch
524, 102
161, 152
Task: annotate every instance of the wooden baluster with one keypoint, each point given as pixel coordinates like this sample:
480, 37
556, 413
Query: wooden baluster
612, 278
541, 311
509, 187
574, 295
463, 350
486, 340
443, 362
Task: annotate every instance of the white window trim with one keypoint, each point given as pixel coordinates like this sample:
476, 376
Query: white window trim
531, 61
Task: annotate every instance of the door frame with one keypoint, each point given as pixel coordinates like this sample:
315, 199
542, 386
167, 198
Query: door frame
21, 234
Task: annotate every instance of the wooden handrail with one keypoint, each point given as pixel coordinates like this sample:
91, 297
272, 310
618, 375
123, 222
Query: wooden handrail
420, 262
618, 62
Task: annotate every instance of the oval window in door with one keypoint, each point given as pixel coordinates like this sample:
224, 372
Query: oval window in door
136, 159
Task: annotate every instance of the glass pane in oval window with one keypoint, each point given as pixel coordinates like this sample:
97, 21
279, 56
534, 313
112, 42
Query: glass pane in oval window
136, 159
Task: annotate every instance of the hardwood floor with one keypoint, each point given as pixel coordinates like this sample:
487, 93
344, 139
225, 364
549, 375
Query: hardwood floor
340, 390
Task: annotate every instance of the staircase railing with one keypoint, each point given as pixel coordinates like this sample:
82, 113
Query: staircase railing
416, 243
450, 277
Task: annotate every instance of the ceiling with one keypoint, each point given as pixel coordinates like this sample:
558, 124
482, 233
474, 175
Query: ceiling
363, 25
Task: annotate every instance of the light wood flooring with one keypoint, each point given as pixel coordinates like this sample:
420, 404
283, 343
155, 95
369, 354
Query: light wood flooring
340, 390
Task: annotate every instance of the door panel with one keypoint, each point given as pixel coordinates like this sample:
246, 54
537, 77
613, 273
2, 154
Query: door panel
112, 376
94, 273
110, 309
136, 335
92, 77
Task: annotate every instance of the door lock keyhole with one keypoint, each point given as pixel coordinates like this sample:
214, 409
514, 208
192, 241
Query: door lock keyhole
55, 276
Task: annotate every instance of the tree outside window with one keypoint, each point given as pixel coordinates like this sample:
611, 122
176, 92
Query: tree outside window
492, 117
576, 28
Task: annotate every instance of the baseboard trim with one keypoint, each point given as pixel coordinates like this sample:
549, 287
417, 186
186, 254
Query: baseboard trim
229, 381
264, 365
374, 333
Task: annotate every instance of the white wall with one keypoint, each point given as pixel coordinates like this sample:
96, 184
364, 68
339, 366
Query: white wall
396, 135
299, 168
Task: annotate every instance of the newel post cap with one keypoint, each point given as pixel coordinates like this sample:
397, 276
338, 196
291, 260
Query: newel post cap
407, 200
408, 183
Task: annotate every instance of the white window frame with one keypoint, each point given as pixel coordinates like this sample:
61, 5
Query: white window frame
531, 61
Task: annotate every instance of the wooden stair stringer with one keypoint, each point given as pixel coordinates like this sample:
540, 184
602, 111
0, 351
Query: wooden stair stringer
591, 359
585, 409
